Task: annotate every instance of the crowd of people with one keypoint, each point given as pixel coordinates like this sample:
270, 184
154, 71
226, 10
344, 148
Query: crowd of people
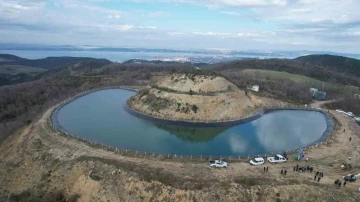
303, 169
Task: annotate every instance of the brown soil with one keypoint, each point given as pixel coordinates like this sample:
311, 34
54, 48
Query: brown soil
198, 98
39, 160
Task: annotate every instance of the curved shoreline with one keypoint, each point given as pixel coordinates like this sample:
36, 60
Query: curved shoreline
186, 123
323, 138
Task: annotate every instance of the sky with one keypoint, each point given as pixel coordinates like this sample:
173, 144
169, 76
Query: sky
318, 25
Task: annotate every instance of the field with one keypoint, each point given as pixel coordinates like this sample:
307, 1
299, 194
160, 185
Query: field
275, 75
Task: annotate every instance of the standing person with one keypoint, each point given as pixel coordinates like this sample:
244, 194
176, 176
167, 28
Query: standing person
286, 172
267, 168
314, 177
264, 169
307, 158
319, 179
350, 139
339, 184
350, 158
344, 130
317, 173
281, 171
294, 168
344, 183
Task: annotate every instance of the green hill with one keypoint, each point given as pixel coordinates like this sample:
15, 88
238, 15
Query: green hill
314, 83
299, 66
339, 63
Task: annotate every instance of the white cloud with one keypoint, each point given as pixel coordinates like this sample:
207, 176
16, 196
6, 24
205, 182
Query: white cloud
226, 3
231, 13
114, 16
223, 35
158, 14
307, 24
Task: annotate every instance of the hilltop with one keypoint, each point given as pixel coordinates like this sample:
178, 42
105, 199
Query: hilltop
339, 63
14, 69
196, 97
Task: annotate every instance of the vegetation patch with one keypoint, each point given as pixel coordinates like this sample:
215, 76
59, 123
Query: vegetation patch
157, 103
37, 144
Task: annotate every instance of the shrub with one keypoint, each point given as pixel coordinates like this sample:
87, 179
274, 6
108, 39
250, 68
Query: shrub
194, 108
191, 92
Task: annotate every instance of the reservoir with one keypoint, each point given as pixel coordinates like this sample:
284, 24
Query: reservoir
100, 116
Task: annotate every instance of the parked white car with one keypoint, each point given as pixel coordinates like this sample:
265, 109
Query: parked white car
257, 161
350, 114
218, 164
277, 159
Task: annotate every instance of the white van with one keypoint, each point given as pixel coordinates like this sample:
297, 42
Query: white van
257, 161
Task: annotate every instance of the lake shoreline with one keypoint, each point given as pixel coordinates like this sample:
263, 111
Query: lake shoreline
191, 123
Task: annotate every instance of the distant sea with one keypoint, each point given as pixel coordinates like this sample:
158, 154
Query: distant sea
194, 56
111, 55
118, 56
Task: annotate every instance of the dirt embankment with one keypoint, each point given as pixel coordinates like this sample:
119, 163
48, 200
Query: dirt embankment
37, 163
197, 97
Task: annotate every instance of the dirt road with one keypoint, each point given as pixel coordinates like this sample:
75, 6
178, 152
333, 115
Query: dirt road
318, 103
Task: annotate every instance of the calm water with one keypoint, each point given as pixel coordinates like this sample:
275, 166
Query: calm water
100, 117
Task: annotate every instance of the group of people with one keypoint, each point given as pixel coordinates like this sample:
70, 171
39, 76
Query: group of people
318, 175
283, 172
266, 169
303, 169
338, 183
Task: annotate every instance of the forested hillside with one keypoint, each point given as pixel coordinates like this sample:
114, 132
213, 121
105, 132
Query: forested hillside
339, 63
46, 63
15, 70
322, 73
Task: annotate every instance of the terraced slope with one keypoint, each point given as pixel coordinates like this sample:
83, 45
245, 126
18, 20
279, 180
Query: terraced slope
196, 97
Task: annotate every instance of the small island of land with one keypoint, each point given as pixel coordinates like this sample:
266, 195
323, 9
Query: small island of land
194, 97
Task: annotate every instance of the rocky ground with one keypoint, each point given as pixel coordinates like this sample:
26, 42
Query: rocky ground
38, 164
198, 97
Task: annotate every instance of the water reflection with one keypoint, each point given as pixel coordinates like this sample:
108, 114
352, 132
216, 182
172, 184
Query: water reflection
100, 117
237, 144
193, 134
284, 131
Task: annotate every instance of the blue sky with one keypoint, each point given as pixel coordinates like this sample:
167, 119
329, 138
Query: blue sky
331, 25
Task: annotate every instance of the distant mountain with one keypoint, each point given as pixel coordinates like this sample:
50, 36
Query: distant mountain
14, 69
10, 58
338, 63
46, 63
